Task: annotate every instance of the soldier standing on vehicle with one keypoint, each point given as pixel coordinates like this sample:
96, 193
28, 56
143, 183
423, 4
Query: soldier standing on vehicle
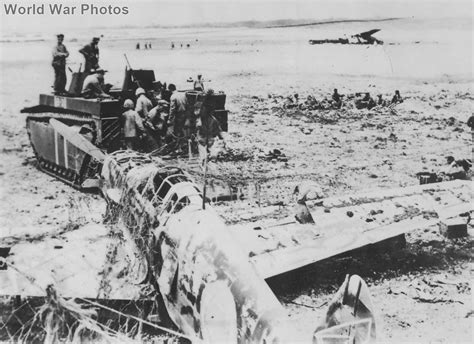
60, 54
199, 84
132, 125
91, 55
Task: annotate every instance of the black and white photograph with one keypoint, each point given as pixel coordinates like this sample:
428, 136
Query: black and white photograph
241, 171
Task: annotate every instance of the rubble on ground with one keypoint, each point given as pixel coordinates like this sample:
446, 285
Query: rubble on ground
323, 111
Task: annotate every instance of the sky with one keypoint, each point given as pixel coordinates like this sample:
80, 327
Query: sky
182, 12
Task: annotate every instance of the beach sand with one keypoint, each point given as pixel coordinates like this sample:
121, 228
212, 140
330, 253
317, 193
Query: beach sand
430, 63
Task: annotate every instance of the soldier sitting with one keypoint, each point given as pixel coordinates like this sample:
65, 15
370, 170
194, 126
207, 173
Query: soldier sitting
367, 102
397, 98
94, 86
380, 100
336, 99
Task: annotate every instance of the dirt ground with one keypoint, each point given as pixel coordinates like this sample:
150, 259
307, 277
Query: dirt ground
343, 150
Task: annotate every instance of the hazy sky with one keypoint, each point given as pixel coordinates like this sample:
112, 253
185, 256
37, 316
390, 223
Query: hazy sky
181, 12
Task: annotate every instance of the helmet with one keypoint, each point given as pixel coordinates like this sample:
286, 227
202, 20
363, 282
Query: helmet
128, 104
139, 91
86, 128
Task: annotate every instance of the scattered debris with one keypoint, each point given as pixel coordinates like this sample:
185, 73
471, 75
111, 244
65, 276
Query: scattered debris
275, 155
360, 38
232, 154
437, 290
453, 228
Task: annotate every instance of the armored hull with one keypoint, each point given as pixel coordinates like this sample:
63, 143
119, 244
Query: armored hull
97, 120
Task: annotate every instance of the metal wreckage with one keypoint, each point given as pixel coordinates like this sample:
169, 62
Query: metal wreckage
210, 277
363, 38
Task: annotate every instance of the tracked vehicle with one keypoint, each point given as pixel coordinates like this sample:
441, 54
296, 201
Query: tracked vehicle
97, 119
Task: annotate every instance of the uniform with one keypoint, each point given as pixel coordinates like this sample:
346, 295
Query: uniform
199, 85
91, 54
143, 106
59, 64
92, 87
178, 113
132, 125
337, 101
208, 129
397, 98
155, 127
157, 119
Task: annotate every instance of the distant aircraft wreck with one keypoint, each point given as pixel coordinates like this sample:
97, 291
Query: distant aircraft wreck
360, 38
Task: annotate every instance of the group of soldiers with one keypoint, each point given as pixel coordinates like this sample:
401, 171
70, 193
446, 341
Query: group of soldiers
173, 124
365, 101
169, 121
360, 100
147, 46
91, 66
181, 45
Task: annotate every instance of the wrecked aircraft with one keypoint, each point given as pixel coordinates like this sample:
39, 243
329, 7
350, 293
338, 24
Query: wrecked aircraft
211, 277
360, 38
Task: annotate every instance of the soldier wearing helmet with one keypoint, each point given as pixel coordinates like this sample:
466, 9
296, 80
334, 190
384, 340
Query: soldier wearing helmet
132, 125
144, 104
157, 120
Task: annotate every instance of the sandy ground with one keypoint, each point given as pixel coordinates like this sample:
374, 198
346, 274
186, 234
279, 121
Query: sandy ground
343, 151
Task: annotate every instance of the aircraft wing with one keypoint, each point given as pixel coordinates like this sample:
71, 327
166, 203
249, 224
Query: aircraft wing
76, 139
346, 223
86, 262
367, 34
